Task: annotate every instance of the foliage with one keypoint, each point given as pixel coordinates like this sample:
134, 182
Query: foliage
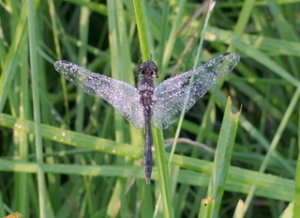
64, 153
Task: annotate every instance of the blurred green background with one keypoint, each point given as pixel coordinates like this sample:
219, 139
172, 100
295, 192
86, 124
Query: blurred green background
64, 153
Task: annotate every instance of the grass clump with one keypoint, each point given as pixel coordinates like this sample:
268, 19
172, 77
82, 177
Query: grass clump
67, 154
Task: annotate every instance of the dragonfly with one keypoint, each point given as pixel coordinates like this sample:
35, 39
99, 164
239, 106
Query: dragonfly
162, 104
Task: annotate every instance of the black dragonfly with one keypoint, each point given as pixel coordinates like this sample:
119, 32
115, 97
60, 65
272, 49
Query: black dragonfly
162, 103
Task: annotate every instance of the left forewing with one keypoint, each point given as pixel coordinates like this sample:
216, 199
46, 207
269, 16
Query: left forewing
122, 96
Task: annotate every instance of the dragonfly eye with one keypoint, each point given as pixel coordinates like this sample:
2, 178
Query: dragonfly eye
154, 73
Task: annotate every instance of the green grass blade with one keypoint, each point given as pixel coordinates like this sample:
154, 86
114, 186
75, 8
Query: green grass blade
21, 192
142, 26
36, 107
222, 159
172, 36
264, 43
297, 176
244, 17
288, 212
82, 60
12, 58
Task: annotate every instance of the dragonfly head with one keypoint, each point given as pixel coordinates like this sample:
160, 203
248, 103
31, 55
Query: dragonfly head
148, 69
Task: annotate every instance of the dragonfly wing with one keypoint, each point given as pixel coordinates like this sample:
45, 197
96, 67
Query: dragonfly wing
122, 96
170, 95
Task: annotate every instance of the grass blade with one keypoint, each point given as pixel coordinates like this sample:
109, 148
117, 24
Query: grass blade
222, 159
32, 31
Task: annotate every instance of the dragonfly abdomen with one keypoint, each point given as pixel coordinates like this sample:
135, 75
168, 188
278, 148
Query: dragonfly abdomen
148, 146
146, 93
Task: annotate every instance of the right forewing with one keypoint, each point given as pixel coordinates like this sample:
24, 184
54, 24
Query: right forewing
171, 95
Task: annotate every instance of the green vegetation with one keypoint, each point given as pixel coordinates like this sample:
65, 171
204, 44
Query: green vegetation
64, 153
